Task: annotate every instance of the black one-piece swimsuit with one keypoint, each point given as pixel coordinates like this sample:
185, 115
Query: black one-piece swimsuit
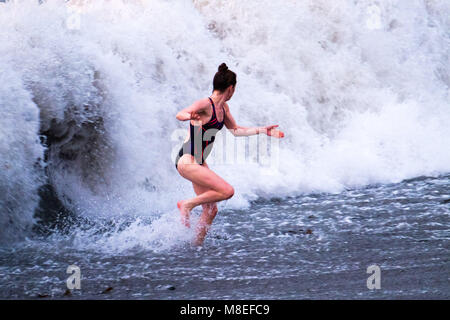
206, 134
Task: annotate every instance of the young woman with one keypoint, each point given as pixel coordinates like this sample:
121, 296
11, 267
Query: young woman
207, 116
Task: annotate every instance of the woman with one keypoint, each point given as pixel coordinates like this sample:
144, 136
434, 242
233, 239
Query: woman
207, 116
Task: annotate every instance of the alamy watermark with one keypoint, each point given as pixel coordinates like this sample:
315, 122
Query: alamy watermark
228, 149
374, 281
74, 281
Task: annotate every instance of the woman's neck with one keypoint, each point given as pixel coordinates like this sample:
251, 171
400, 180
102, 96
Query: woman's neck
218, 97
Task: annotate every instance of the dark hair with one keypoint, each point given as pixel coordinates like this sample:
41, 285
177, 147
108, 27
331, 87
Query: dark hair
224, 78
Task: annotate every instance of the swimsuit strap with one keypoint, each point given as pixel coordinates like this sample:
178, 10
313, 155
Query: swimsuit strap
214, 109
213, 116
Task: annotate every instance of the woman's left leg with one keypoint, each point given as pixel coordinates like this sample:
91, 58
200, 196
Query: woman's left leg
209, 212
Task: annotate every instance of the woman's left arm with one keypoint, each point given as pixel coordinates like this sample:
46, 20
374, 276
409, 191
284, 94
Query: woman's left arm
240, 131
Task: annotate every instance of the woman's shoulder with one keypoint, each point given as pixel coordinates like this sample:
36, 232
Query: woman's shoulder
226, 107
201, 104
204, 102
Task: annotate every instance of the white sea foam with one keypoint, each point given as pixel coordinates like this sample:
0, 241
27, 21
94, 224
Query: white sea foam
361, 90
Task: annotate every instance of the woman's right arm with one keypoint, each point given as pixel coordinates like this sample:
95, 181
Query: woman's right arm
193, 111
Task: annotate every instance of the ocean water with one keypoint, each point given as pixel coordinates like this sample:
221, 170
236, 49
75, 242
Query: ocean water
88, 137
315, 246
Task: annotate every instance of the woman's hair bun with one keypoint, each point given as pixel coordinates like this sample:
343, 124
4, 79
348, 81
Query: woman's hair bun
223, 67
224, 78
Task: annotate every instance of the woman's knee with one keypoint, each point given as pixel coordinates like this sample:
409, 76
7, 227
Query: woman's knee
228, 192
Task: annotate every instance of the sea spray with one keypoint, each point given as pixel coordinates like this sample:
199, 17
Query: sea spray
361, 91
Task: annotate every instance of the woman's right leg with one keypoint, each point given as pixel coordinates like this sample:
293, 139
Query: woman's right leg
219, 189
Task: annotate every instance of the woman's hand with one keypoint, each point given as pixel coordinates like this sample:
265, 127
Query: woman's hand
195, 117
271, 131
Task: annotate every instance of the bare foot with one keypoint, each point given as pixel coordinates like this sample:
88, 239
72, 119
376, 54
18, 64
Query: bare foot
197, 243
184, 211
